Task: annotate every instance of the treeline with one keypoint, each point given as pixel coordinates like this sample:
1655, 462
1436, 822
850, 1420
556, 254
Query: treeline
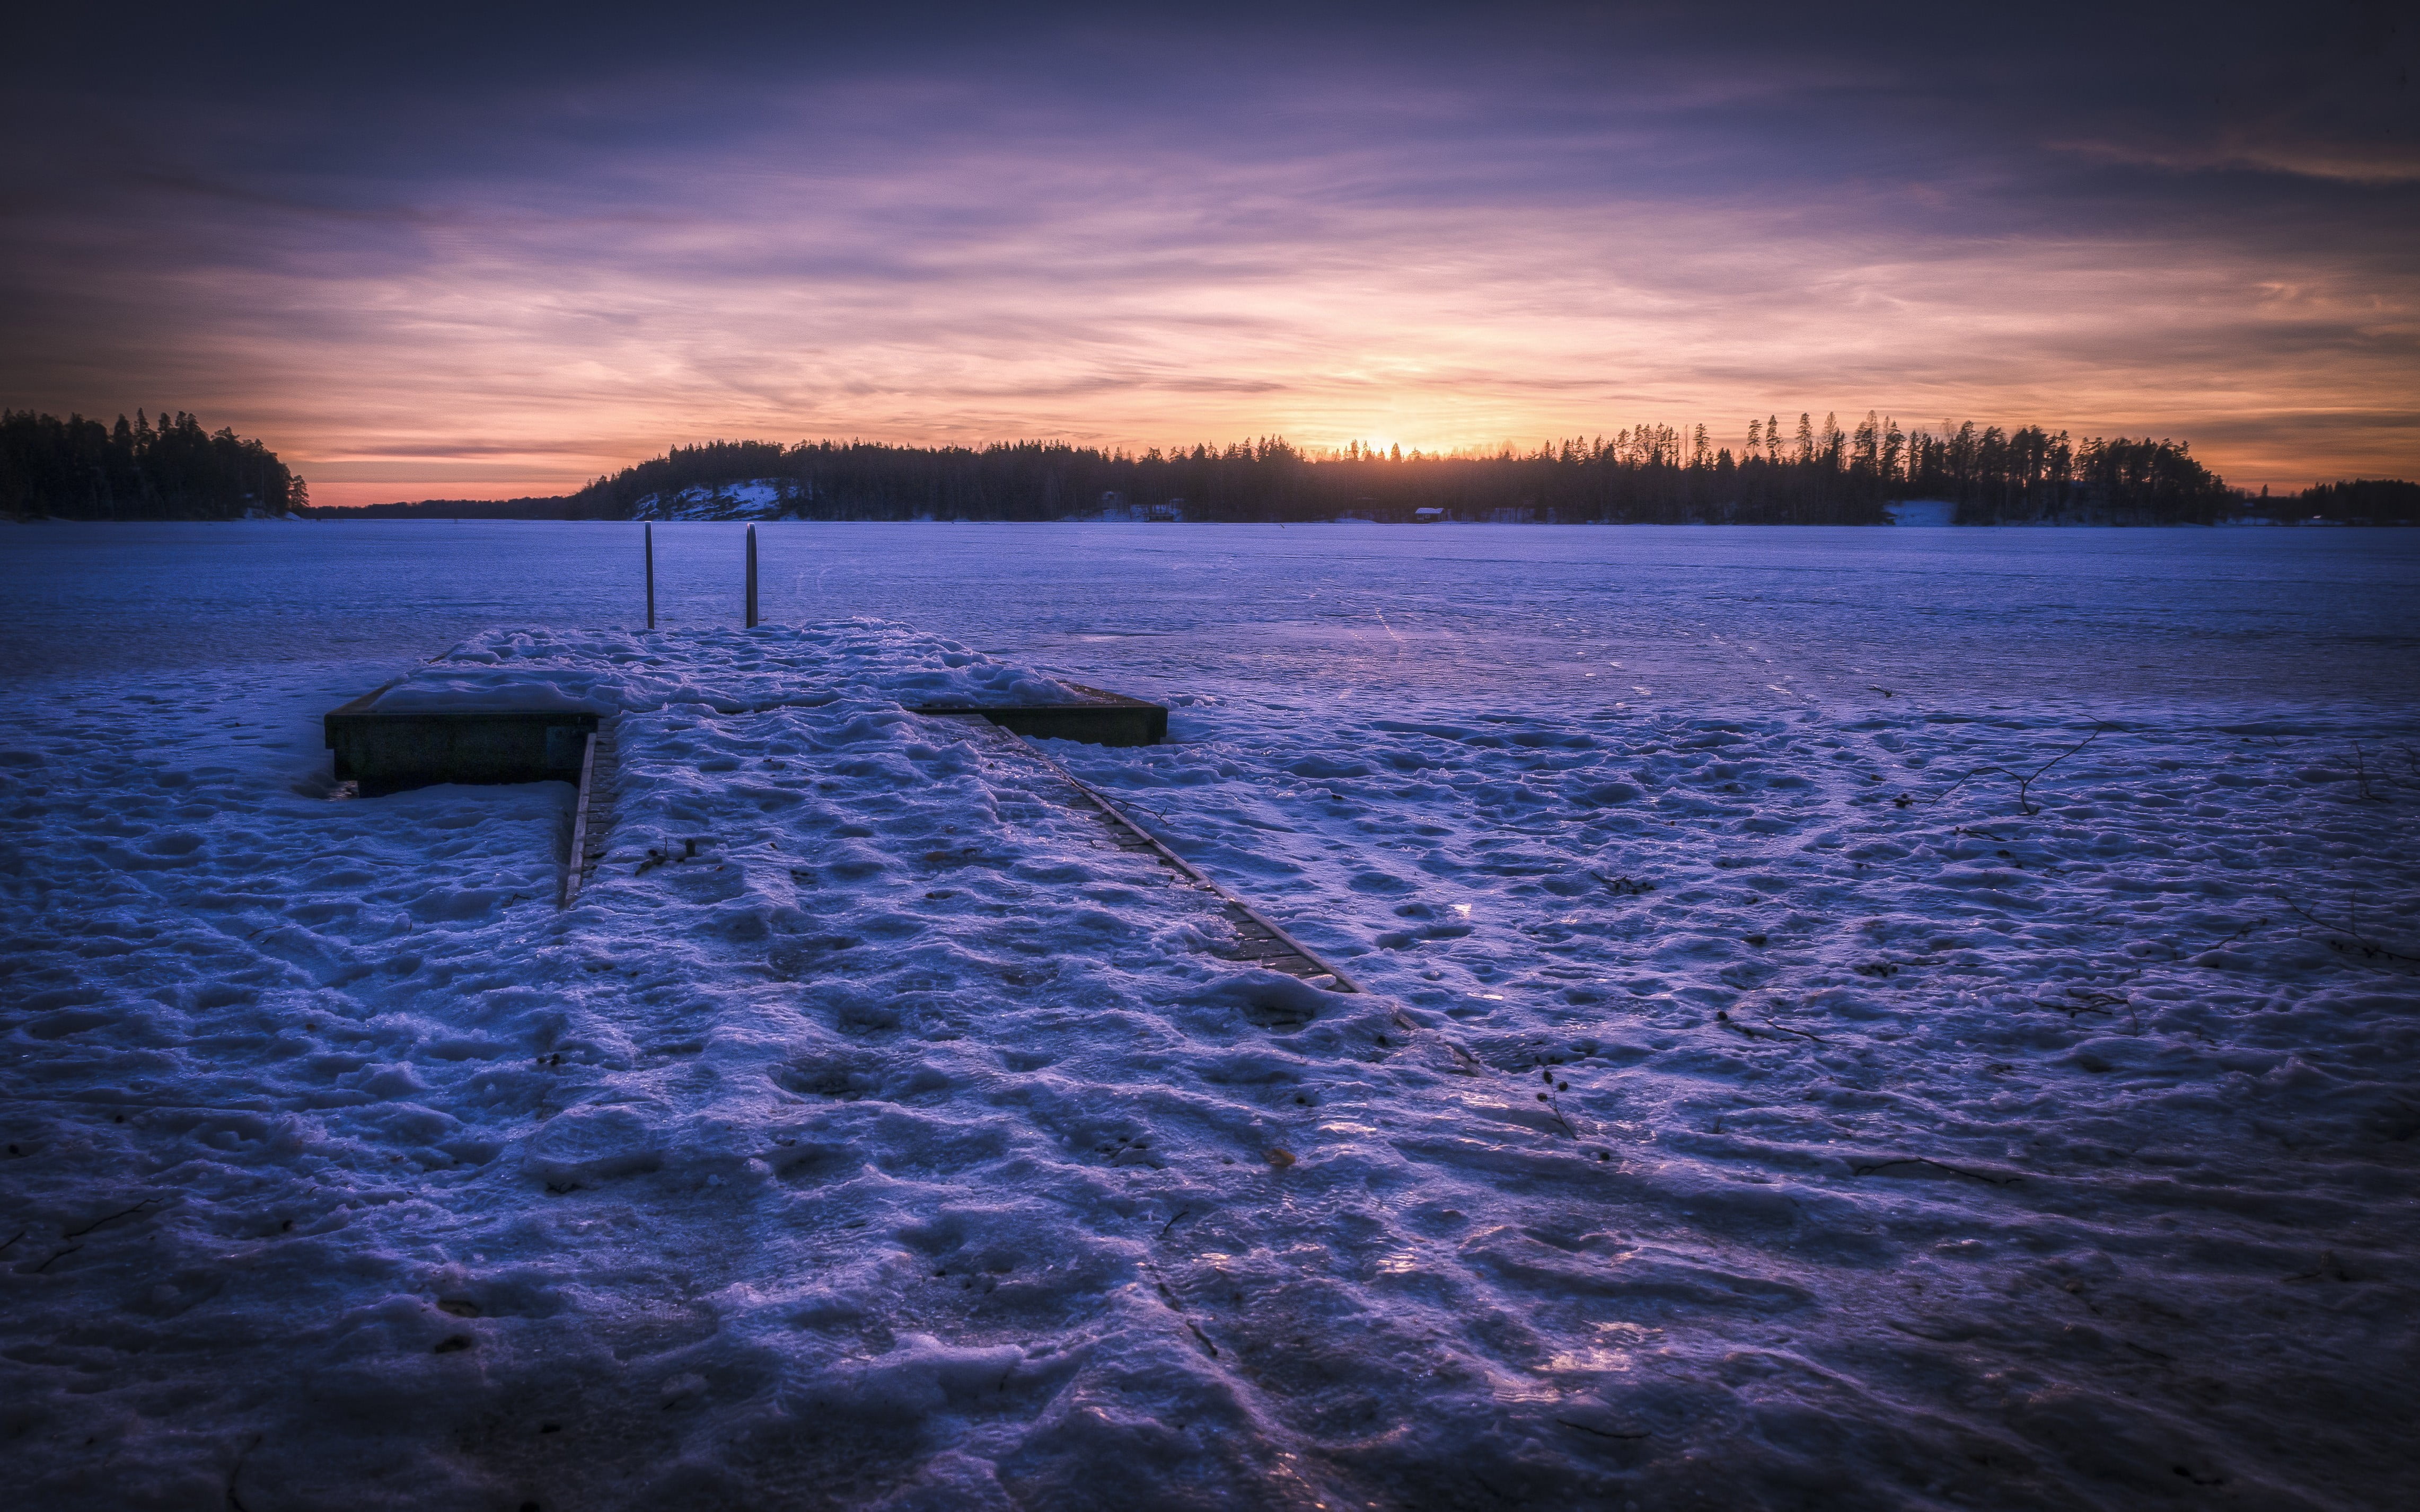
79, 469
1648, 474
1809, 474
2363, 502
550, 506
2028, 475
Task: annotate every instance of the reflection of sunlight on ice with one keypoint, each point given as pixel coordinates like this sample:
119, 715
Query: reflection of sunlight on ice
1615, 1349
1595, 1362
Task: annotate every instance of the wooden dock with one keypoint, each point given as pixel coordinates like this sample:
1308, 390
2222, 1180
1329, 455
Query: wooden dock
1096, 718
388, 752
591, 810
385, 752
1261, 941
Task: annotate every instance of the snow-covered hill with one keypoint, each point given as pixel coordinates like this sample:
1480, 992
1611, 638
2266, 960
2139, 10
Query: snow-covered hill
751, 499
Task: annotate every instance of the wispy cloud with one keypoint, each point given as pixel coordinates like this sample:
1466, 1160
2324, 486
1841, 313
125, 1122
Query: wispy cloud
1133, 237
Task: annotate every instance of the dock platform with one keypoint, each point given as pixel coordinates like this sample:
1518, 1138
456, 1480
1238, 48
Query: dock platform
388, 752
1101, 719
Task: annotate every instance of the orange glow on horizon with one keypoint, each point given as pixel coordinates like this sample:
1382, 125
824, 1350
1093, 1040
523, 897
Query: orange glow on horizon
1412, 261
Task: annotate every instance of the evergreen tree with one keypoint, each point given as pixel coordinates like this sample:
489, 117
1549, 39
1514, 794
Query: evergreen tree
78, 469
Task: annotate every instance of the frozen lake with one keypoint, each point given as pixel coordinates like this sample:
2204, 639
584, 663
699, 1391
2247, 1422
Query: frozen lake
1896, 1019
1734, 618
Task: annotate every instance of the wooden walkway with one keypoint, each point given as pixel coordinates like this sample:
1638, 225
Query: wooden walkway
592, 813
1260, 940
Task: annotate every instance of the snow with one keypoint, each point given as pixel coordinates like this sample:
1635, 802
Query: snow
1755, 1106
612, 671
1922, 512
756, 498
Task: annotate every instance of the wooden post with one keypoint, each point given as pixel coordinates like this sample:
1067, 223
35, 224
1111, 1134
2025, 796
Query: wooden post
651, 576
751, 577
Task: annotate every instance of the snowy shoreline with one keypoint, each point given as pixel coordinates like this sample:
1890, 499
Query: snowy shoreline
775, 515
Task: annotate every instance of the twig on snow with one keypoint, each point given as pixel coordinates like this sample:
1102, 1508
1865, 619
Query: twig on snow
2354, 939
126, 1213
1600, 1432
2329, 1266
1980, 771
1923, 1160
2025, 783
2361, 775
1548, 1097
234, 1503
1465, 1063
2088, 1002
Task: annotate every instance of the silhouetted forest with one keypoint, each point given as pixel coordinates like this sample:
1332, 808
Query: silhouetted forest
79, 469
1811, 474
1650, 474
550, 506
2364, 501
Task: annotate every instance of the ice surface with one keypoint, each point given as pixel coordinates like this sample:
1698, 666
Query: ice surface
1755, 1107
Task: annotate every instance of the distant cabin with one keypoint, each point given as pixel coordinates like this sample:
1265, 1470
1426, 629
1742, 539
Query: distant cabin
1429, 514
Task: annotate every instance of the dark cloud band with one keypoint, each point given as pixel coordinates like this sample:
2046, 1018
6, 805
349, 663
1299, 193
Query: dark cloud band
529, 245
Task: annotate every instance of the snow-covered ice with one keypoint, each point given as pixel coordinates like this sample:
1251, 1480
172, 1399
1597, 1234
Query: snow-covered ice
1754, 1106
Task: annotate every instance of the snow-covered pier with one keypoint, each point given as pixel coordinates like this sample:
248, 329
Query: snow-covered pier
382, 750
519, 708
512, 710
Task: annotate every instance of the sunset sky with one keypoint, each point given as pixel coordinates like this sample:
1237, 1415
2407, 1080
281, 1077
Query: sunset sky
430, 252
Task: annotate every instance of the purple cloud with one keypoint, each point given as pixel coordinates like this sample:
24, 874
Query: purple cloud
533, 264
